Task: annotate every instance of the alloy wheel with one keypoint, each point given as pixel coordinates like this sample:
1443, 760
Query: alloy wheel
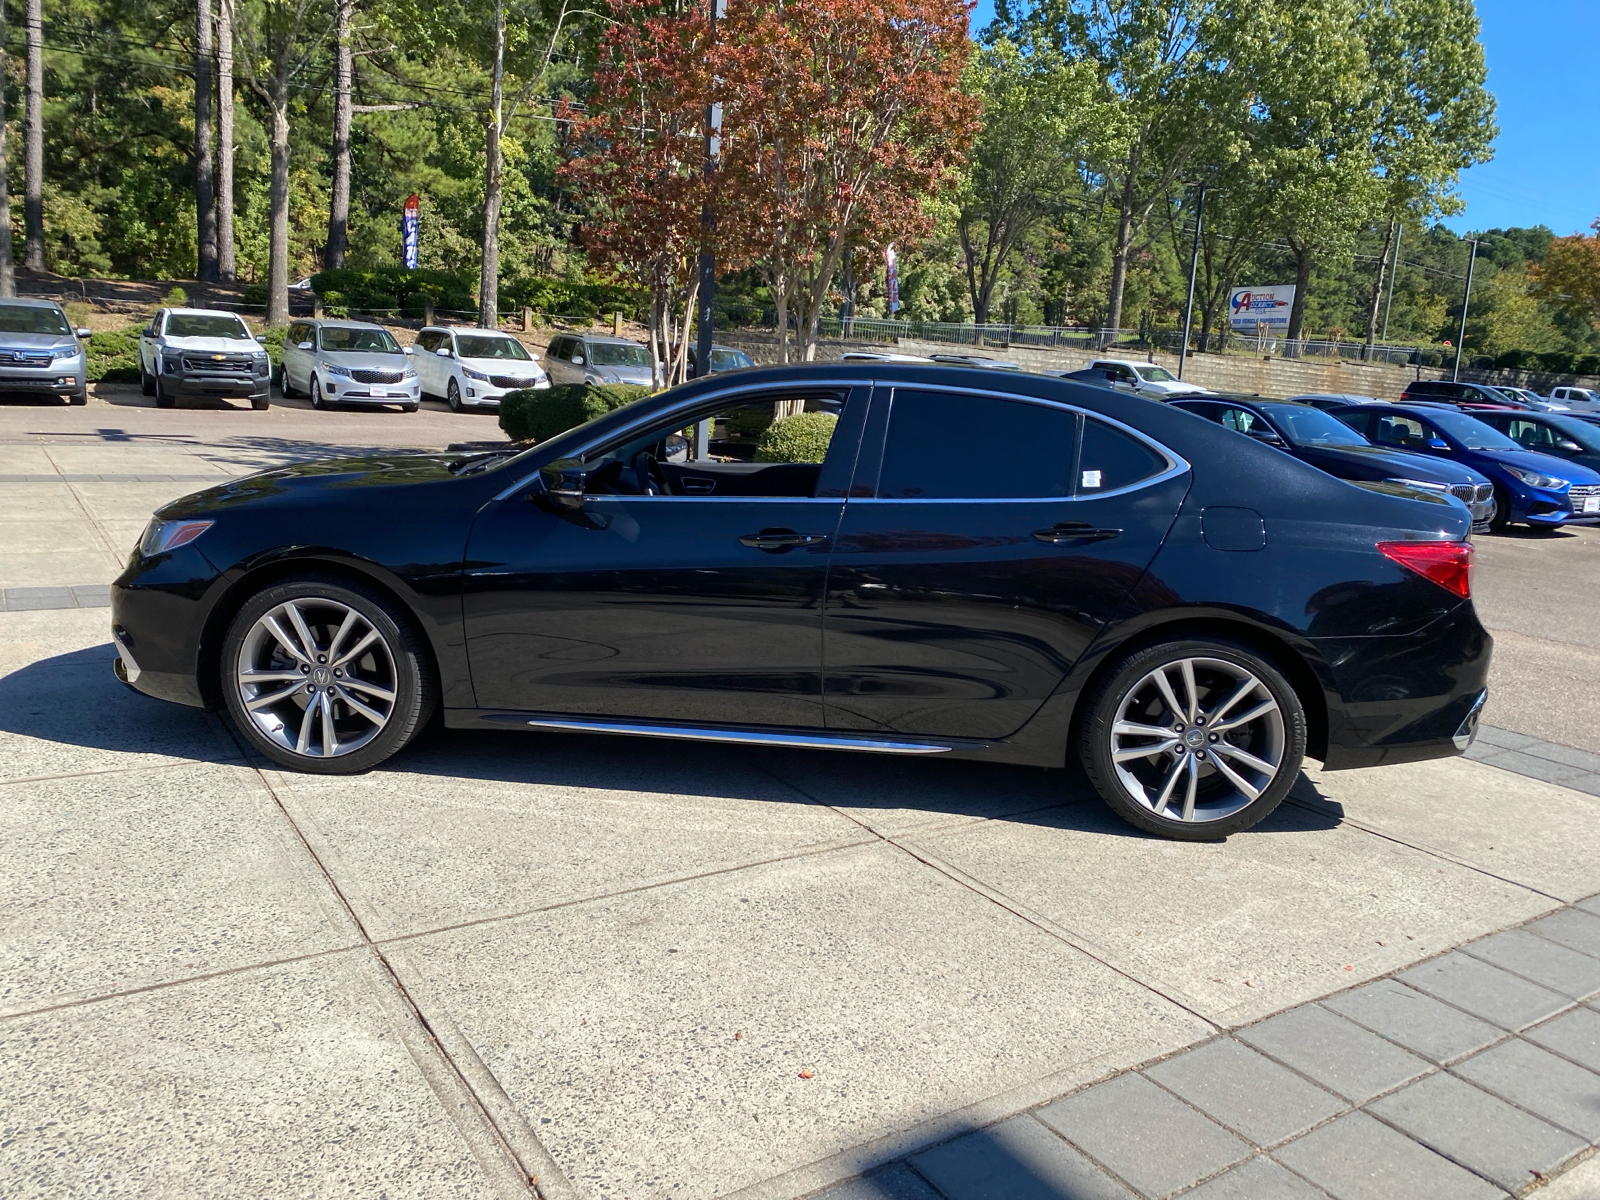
317, 677
1197, 739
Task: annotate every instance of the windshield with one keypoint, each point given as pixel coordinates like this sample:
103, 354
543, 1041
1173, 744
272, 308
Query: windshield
200, 325
1158, 374
1585, 434
25, 318
1471, 433
476, 345
729, 360
358, 341
618, 354
1313, 427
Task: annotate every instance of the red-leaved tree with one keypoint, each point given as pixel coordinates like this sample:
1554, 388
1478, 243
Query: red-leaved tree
840, 119
639, 163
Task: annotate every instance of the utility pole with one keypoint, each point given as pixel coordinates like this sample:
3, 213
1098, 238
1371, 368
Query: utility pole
708, 231
1194, 267
1455, 375
33, 141
1394, 267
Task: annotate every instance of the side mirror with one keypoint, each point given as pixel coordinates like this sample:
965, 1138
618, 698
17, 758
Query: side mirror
262, 338
409, 349
577, 360
1434, 443
443, 351
534, 354
150, 331
1568, 446
561, 485
305, 345
1267, 436
84, 334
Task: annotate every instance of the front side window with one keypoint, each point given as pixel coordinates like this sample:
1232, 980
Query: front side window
729, 360
342, 339
1242, 420
428, 340
216, 325
1157, 375
496, 346
26, 318
1404, 432
1530, 434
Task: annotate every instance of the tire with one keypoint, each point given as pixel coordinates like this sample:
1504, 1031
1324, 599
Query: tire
163, 400
408, 408
261, 403
1502, 511
147, 383
396, 684
1151, 791
453, 397
79, 398
284, 386
314, 390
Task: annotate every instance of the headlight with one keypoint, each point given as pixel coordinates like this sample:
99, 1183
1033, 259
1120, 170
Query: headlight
1534, 479
160, 536
333, 370
471, 374
64, 352
409, 373
1425, 485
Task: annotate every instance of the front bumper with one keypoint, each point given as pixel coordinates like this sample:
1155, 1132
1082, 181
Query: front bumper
228, 387
1408, 698
347, 391
479, 393
50, 382
158, 608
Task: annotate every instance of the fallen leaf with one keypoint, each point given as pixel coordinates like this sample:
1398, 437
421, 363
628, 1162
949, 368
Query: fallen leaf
805, 1074
738, 1036
1247, 983
1350, 967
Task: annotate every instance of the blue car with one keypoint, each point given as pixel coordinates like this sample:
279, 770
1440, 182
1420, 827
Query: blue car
1535, 489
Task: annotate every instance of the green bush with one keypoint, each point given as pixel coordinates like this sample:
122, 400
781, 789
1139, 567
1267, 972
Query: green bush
801, 438
577, 299
385, 289
1557, 361
274, 343
113, 356
255, 295
535, 415
176, 298
1587, 364
748, 423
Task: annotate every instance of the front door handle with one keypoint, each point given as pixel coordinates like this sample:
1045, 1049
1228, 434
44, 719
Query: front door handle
781, 539
1073, 531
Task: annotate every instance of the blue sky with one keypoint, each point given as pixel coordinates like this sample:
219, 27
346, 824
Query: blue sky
1546, 170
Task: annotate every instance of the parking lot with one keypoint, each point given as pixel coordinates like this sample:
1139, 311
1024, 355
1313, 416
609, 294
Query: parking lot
508, 964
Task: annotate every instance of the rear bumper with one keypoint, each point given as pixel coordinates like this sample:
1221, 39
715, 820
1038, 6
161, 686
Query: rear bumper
1405, 699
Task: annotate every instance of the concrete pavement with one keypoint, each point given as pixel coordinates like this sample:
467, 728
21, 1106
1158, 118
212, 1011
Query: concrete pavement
634, 969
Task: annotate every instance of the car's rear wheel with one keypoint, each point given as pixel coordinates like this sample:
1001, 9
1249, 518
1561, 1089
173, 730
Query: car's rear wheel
325, 676
1502, 511
453, 395
1194, 739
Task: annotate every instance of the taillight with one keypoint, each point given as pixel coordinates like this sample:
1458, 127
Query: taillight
1449, 564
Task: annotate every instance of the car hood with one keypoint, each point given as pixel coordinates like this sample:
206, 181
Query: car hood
506, 366
1400, 463
214, 345
35, 341
1545, 464
364, 361
290, 485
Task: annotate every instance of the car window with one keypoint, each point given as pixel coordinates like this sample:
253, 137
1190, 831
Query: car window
201, 325
761, 448
1580, 431
729, 360
1472, 433
1528, 433
1405, 432
618, 354
1242, 420
1117, 371
1313, 427
497, 346
342, 339
1158, 375
1111, 459
428, 340
951, 446
26, 318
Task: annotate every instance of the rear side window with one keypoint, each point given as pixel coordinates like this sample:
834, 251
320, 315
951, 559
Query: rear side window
1112, 459
949, 446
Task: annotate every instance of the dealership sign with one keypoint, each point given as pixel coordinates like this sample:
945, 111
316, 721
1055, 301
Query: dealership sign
1255, 306
410, 229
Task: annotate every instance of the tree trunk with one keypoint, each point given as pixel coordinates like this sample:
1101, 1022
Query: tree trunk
1377, 292
339, 204
780, 295
8, 277
204, 182
33, 143
1302, 280
1119, 268
226, 265
489, 271
278, 196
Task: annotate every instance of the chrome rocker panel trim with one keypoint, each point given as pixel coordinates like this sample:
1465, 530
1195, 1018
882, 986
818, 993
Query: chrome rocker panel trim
461, 718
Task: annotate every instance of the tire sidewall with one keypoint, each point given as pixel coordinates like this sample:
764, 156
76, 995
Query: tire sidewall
1094, 736
1501, 520
453, 397
314, 387
416, 690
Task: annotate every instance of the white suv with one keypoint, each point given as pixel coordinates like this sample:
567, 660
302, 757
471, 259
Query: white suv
347, 362
474, 367
1147, 379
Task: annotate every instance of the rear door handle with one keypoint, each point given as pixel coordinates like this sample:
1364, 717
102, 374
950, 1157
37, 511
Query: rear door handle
781, 539
1073, 531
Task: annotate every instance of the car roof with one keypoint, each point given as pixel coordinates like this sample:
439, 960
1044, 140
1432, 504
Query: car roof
202, 312
1347, 397
344, 324
32, 302
598, 338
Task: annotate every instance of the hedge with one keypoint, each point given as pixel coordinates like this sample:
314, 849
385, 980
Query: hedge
113, 356
535, 415
577, 299
801, 438
394, 288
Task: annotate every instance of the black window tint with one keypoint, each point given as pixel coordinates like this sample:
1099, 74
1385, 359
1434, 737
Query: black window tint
948, 446
1112, 459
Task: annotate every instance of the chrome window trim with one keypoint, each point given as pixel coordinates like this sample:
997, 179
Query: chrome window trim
713, 733
707, 398
723, 499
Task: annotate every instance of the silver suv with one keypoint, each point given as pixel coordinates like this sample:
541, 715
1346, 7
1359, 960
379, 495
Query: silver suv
347, 362
592, 358
40, 352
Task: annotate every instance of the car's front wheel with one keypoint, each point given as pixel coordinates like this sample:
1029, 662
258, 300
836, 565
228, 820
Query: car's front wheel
1501, 518
1193, 739
147, 381
314, 386
164, 398
322, 675
453, 396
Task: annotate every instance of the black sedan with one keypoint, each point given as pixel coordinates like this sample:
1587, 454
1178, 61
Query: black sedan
911, 560
1313, 436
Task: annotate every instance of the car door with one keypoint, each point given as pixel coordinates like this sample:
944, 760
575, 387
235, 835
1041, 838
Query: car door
295, 370
422, 357
987, 540
704, 605
149, 344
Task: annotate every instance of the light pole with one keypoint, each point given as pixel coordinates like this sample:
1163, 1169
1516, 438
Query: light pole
1472, 261
708, 224
1394, 268
1194, 266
